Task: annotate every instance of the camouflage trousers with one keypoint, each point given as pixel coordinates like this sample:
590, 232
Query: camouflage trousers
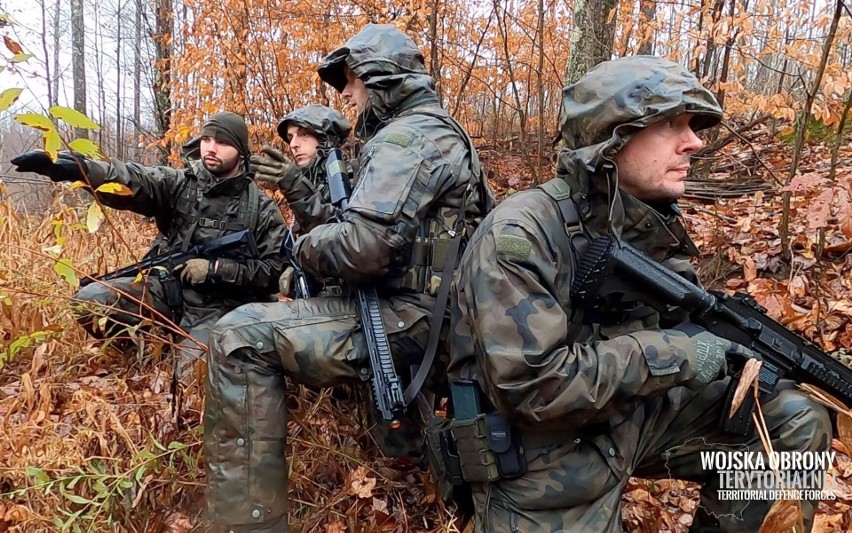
316, 342
99, 300
575, 485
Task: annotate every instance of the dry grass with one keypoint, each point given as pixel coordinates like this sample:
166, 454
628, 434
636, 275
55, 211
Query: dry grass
90, 434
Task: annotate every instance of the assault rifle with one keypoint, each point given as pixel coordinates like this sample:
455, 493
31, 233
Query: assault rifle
301, 282
612, 275
240, 240
387, 388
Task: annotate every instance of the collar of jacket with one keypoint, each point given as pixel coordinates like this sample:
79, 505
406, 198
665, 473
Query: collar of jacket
212, 186
370, 123
657, 230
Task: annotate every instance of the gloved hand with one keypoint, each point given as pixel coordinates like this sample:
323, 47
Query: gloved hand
194, 271
270, 167
712, 353
285, 282
66, 167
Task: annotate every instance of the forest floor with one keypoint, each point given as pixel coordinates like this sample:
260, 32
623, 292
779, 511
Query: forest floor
90, 436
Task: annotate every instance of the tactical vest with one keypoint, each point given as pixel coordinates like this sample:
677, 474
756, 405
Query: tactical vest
440, 226
188, 208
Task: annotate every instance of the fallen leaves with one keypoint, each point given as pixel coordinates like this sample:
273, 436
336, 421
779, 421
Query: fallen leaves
783, 516
361, 483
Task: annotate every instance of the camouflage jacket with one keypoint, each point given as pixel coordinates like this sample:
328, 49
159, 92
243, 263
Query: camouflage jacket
307, 195
540, 360
512, 316
414, 172
165, 194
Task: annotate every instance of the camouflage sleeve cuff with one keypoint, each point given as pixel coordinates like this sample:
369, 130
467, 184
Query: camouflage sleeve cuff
667, 353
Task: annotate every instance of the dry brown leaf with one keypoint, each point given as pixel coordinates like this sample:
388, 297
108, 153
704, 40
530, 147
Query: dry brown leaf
844, 429
826, 399
826, 523
746, 384
782, 516
13, 46
749, 269
839, 446
177, 523
335, 527
361, 483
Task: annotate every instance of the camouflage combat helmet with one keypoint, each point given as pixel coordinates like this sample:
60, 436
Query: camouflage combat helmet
617, 98
328, 125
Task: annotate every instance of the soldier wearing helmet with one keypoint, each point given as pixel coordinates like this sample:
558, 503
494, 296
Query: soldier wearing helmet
309, 131
419, 193
589, 399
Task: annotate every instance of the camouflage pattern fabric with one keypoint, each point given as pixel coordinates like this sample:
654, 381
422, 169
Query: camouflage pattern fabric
165, 194
305, 187
125, 302
597, 398
413, 169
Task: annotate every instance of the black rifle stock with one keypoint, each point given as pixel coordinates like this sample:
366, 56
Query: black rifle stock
611, 274
387, 387
240, 240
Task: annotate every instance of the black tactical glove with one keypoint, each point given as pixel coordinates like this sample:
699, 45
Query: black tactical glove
712, 353
66, 168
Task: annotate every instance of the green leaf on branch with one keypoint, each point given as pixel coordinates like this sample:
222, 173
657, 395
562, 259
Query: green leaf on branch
64, 268
52, 143
20, 58
34, 120
38, 475
72, 117
119, 189
8, 97
85, 147
94, 217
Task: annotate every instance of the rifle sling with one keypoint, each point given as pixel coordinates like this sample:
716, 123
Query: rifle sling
437, 321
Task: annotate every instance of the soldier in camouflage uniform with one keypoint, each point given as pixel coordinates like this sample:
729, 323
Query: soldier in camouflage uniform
310, 132
418, 170
210, 198
596, 401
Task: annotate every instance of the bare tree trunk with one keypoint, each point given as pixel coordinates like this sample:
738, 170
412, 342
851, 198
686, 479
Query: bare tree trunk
51, 96
78, 60
137, 75
697, 68
723, 77
502, 26
835, 153
540, 148
163, 16
119, 135
591, 37
56, 76
647, 15
99, 71
469, 72
710, 57
434, 55
804, 117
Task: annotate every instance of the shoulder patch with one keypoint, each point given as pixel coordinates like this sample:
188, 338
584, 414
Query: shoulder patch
513, 246
399, 139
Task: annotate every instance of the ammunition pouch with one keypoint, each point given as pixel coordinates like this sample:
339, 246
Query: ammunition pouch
428, 254
478, 450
